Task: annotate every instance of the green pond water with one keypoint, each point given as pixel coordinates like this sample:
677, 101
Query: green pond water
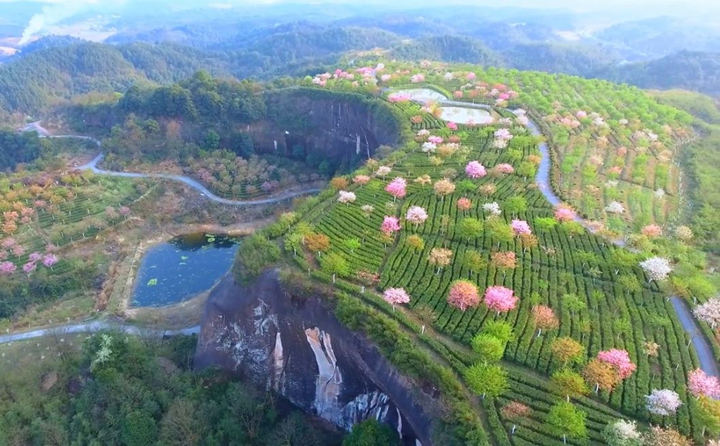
175, 271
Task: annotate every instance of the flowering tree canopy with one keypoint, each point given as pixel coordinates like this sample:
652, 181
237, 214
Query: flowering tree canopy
383, 171
474, 169
709, 312
444, 187
500, 299
662, 402
657, 268
395, 296
544, 317
520, 227
464, 204
614, 208
601, 374
416, 215
463, 294
492, 208
346, 197
390, 225
622, 433
361, 179
504, 168
702, 384
652, 231
396, 187
564, 213
618, 359
440, 257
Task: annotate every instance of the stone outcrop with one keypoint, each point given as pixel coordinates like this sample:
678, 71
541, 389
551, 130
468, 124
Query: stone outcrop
298, 349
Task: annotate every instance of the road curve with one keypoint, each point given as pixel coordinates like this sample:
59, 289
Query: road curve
205, 192
95, 326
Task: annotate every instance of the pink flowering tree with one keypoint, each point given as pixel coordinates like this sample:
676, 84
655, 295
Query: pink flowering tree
500, 299
474, 170
7, 268
702, 384
49, 260
452, 126
416, 215
396, 296
662, 402
390, 225
435, 139
652, 231
620, 360
464, 204
564, 213
34, 257
504, 168
29, 267
502, 136
520, 227
397, 188
463, 294
361, 179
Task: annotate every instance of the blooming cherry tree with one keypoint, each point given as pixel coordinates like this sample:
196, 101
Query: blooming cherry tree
702, 384
564, 213
463, 204
657, 268
652, 231
662, 402
504, 168
382, 171
492, 208
463, 294
416, 215
396, 296
397, 188
346, 197
520, 227
544, 318
7, 268
361, 179
390, 225
709, 312
444, 187
618, 359
500, 299
474, 170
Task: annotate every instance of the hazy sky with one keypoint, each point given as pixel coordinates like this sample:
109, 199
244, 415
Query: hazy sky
44, 16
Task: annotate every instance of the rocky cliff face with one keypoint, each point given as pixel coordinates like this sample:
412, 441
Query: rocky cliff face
299, 350
342, 128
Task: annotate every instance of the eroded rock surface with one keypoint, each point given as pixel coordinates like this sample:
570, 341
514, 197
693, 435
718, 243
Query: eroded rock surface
298, 349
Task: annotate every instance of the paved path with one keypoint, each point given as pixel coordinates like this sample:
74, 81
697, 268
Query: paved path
708, 364
95, 326
205, 192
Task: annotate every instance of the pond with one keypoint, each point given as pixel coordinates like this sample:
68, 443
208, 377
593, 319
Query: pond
465, 115
422, 94
179, 269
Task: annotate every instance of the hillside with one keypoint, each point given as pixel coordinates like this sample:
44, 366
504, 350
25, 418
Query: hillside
46, 77
496, 279
447, 48
690, 70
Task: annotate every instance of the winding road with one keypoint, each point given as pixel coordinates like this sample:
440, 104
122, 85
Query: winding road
205, 192
704, 352
95, 326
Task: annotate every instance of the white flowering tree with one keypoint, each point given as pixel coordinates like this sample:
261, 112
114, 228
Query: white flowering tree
657, 268
662, 402
614, 208
709, 312
622, 433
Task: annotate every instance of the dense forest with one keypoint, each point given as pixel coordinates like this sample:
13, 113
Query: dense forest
127, 390
18, 148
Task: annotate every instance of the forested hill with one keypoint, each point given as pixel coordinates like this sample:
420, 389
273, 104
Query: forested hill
45, 77
691, 70
449, 49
